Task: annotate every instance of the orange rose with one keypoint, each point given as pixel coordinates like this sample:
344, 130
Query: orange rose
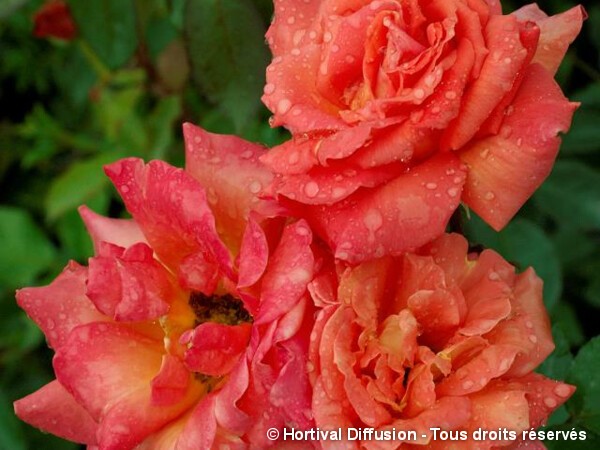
438, 338
400, 110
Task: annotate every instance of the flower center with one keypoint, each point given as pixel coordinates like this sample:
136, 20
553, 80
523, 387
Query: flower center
223, 309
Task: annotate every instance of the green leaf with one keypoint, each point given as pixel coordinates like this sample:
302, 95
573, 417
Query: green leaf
11, 432
558, 364
109, 28
80, 182
525, 244
571, 195
25, 252
582, 138
564, 317
585, 403
228, 54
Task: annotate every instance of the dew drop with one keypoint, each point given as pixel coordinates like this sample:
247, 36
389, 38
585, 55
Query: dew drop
269, 88
533, 338
453, 192
255, 187
311, 189
419, 93
484, 153
373, 219
489, 195
431, 186
450, 95
562, 390
283, 106
550, 402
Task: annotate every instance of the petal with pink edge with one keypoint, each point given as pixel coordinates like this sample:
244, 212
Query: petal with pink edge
121, 232
254, 254
168, 202
130, 287
406, 213
61, 306
505, 169
214, 349
556, 33
53, 410
229, 169
288, 273
108, 368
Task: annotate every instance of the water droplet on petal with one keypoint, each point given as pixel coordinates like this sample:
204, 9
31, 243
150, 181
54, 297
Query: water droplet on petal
283, 106
311, 189
453, 192
562, 390
431, 186
255, 187
550, 402
489, 195
269, 88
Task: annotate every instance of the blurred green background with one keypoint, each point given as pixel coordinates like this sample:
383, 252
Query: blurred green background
123, 86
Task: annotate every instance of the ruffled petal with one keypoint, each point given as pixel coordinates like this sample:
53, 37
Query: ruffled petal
171, 209
132, 286
228, 168
214, 348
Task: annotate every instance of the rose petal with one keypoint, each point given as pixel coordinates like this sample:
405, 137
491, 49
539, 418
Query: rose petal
121, 232
498, 74
214, 348
169, 386
130, 287
166, 201
504, 170
405, 213
108, 369
53, 410
254, 254
61, 306
229, 169
288, 273
556, 33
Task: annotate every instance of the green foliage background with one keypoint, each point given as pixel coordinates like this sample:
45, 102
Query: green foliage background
140, 68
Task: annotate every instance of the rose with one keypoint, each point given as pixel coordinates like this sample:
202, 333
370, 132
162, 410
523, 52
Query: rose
166, 340
437, 338
400, 110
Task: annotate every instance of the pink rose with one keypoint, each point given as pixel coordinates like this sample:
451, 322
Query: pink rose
401, 110
179, 334
438, 338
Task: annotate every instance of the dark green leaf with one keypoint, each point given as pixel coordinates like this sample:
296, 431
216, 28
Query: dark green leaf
564, 318
585, 403
80, 182
572, 195
582, 138
228, 54
109, 28
11, 432
559, 362
25, 250
523, 243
